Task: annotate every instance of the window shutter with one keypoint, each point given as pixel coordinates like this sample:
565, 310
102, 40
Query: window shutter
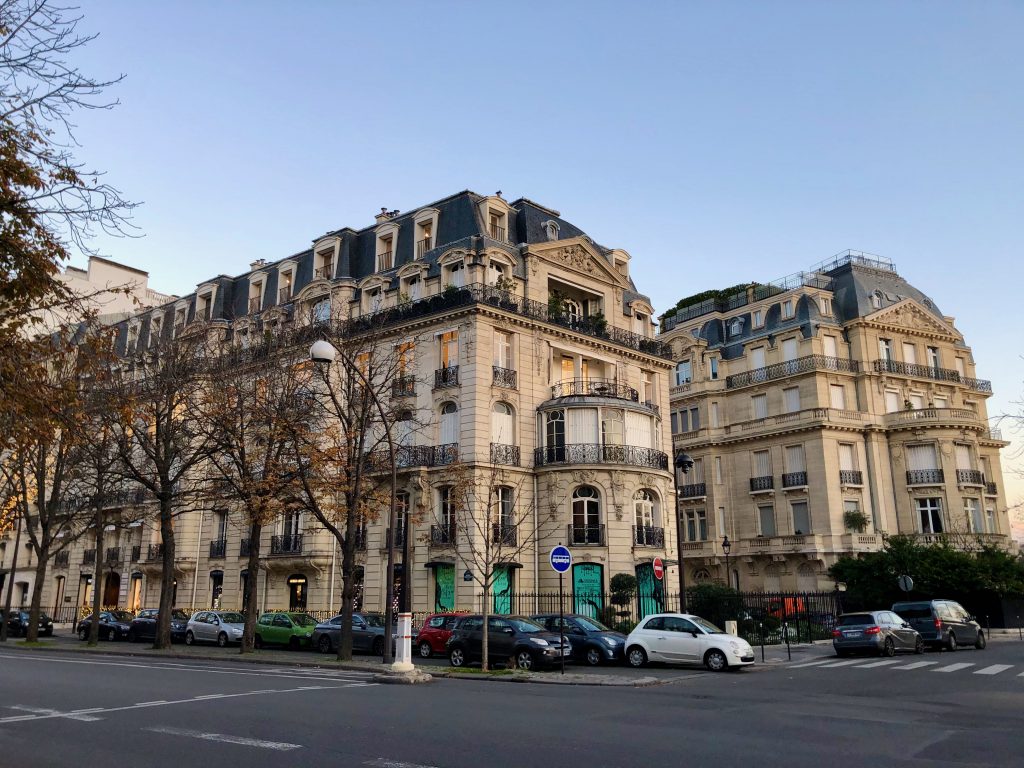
502, 427
795, 458
921, 457
582, 426
963, 456
759, 404
757, 358
789, 348
792, 398
449, 428
830, 346
846, 458
762, 464
892, 401
909, 353
837, 396
638, 429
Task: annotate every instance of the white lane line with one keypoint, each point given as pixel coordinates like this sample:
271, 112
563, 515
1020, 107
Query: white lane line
37, 711
847, 663
213, 696
953, 668
995, 669
280, 746
812, 663
918, 665
884, 663
151, 703
383, 762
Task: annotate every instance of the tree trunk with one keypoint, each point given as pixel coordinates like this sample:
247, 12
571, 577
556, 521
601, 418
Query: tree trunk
32, 634
163, 626
251, 584
94, 625
348, 595
10, 583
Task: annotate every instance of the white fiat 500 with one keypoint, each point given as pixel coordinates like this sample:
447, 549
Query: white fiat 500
682, 638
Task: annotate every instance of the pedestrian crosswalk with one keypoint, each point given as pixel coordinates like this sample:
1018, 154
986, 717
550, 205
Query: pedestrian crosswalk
904, 664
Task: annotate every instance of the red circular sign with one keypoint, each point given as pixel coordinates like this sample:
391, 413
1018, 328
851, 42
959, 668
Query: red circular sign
659, 568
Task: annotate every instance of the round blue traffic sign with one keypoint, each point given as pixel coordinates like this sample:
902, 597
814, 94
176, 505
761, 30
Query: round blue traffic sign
561, 559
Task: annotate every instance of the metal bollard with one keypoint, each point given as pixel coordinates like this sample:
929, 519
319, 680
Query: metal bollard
785, 631
1020, 633
760, 626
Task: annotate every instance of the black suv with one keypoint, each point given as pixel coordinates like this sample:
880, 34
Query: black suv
523, 641
591, 640
143, 626
942, 623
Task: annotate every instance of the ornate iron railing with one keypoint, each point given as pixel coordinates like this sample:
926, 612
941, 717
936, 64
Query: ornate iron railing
693, 490
442, 535
851, 477
504, 377
89, 557
287, 544
113, 555
504, 535
990, 489
218, 547
970, 477
408, 456
61, 559
925, 477
505, 454
326, 272
794, 479
791, 368
446, 377
596, 453
155, 552
404, 386
581, 535
648, 536
594, 388
931, 372
763, 483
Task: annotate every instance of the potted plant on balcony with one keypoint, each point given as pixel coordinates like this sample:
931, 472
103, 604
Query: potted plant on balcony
855, 521
507, 297
556, 307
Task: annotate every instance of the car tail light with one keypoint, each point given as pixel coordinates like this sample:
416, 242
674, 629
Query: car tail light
836, 633
872, 630
938, 623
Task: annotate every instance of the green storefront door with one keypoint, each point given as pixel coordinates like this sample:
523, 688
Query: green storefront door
444, 588
648, 591
588, 589
502, 590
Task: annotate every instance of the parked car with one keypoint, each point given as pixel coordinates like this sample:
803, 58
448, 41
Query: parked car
875, 632
526, 642
294, 630
367, 634
17, 623
591, 640
942, 623
433, 635
114, 625
220, 627
143, 626
685, 638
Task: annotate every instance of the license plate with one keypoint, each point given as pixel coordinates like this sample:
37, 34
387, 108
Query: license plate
566, 651
851, 634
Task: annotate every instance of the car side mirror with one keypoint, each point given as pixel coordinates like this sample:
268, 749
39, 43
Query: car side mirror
693, 632
509, 631
217, 622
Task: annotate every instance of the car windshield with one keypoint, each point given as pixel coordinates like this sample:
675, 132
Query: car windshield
914, 610
856, 620
525, 625
591, 625
120, 615
176, 615
373, 619
302, 619
706, 625
233, 618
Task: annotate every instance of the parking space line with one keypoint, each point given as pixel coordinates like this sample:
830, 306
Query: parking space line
995, 669
244, 741
918, 665
953, 667
847, 663
884, 663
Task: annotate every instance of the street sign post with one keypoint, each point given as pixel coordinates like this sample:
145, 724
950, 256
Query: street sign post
658, 566
561, 561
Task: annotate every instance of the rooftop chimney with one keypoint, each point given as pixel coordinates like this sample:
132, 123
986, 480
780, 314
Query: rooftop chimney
258, 264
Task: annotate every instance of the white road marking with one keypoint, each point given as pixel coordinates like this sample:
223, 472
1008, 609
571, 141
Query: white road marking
151, 703
995, 669
812, 663
953, 668
884, 663
280, 746
79, 715
918, 665
214, 696
382, 762
847, 663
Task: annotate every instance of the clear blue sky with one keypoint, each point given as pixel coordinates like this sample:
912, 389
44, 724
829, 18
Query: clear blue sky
716, 142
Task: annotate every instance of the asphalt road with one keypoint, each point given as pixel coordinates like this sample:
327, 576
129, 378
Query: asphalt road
61, 709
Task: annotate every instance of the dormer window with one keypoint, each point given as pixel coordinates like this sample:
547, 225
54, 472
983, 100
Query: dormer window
736, 326
551, 229
825, 304
133, 336
255, 297
155, 326
413, 287
385, 252
204, 307
424, 237
876, 299
640, 324
374, 298
787, 309
180, 316
323, 262
495, 272
497, 226
321, 312
455, 274
242, 337
758, 318
284, 287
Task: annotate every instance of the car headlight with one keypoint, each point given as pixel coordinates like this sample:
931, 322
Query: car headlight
611, 642
539, 641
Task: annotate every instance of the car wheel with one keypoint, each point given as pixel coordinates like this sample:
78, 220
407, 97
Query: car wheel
378, 647
83, 633
951, 644
525, 660
981, 642
257, 642
715, 660
919, 646
222, 640
889, 649
457, 657
293, 643
133, 636
593, 656
190, 639
425, 650
324, 644
636, 656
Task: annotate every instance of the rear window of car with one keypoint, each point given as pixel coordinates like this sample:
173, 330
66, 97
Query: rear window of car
437, 621
856, 620
913, 610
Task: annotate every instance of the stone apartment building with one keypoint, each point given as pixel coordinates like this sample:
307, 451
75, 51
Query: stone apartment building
531, 358
821, 412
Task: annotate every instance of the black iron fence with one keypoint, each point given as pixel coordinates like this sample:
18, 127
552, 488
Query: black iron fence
597, 453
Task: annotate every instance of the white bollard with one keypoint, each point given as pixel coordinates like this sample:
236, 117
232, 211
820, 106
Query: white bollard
403, 651
731, 628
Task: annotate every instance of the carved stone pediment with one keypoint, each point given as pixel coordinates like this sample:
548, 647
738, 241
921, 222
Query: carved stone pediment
910, 315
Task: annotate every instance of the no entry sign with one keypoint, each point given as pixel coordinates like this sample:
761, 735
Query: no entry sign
659, 568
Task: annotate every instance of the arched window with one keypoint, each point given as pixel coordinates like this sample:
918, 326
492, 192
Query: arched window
503, 424
586, 516
701, 576
321, 312
573, 310
645, 508
876, 299
449, 424
554, 432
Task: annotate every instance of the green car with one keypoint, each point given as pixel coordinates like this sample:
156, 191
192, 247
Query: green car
291, 629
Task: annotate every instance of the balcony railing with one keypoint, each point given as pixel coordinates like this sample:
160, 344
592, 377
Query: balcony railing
763, 483
287, 544
218, 547
929, 372
243, 549
326, 272
399, 540
990, 489
507, 455
925, 416
385, 260
594, 388
498, 233
504, 535
925, 477
584, 535
255, 304
155, 552
791, 368
89, 557
61, 559
422, 246
851, 477
794, 479
446, 377
442, 535
693, 490
407, 456
595, 453
284, 295
969, 477
504, 377
648, 536
113, 555
136, 553
404, 386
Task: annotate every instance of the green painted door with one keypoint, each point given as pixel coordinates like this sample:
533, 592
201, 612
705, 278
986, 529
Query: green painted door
648, 591
588, 589
444, 588
502, 590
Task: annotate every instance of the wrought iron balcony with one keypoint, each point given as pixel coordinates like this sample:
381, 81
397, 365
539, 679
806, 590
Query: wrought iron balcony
243, 549
648, 536
990, 489
791, 368
584, 535
136, 553
155, 552
505, 454
287, 544
498, 233
89, 557
505, 535
61, 559
594, 388
218, 547
693, 490
794, 479
442, 535
969, 477
255, 304
404, 386
408, 456
113, 555
925, 477
763, 483
596, 453
504, 377
446, 377
929, 372
284, 295
326, 272
422, 246
851, 477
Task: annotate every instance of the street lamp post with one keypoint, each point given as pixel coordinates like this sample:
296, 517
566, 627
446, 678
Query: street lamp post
681, 463
726, 548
